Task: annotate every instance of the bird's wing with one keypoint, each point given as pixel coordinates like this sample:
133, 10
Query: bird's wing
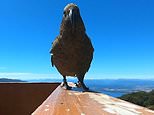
51, 56
54, 47
89, 53
52, 60
88, 42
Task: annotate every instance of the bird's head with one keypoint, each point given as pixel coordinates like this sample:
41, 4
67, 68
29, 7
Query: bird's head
72, 20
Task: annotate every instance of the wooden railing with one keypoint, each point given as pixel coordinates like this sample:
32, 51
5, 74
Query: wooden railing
23, 98
75, 102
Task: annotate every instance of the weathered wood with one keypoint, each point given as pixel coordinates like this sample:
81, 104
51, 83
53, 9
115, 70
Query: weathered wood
73, 102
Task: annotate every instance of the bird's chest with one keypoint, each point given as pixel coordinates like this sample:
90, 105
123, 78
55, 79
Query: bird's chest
72, 46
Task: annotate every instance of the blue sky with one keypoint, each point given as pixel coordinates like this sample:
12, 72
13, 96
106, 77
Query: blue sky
122, 32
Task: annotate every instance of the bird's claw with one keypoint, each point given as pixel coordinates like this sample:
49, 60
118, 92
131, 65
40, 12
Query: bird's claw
65, 86
78, 84
85, 88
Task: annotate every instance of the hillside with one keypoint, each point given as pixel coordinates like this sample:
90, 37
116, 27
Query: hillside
141, 98
10, 80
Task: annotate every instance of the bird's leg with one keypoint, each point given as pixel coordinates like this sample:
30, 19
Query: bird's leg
64, 84
81, 83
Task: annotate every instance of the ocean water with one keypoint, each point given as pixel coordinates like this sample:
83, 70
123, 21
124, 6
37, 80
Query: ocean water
112, 87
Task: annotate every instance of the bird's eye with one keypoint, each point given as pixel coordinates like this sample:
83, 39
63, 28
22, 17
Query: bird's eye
64, 13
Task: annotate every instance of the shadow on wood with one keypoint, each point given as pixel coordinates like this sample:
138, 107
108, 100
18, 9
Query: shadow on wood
23, 98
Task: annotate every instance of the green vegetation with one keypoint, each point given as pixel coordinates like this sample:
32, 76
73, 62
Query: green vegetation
141, 98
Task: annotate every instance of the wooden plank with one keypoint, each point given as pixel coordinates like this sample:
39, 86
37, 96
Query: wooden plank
23, 98
74, 102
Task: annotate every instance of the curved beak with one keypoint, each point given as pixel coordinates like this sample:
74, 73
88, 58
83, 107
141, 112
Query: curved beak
73, 16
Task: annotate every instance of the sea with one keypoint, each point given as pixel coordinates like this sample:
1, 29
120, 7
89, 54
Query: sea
112, 87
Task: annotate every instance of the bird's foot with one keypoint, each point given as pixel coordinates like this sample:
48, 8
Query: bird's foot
65, 86
84, 87
78, 84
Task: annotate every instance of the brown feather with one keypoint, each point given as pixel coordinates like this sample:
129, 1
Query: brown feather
72, 50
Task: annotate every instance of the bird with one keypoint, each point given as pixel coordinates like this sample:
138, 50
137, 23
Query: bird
72, 50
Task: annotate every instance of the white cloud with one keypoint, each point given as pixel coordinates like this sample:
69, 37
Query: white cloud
28, 76
119, 76
35, 76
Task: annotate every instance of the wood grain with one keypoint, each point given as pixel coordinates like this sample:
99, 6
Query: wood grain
75, 102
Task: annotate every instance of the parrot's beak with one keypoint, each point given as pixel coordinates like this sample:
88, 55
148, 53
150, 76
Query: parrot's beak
73, 18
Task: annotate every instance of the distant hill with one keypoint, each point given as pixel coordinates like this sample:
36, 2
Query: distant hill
10, 80
141, 98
